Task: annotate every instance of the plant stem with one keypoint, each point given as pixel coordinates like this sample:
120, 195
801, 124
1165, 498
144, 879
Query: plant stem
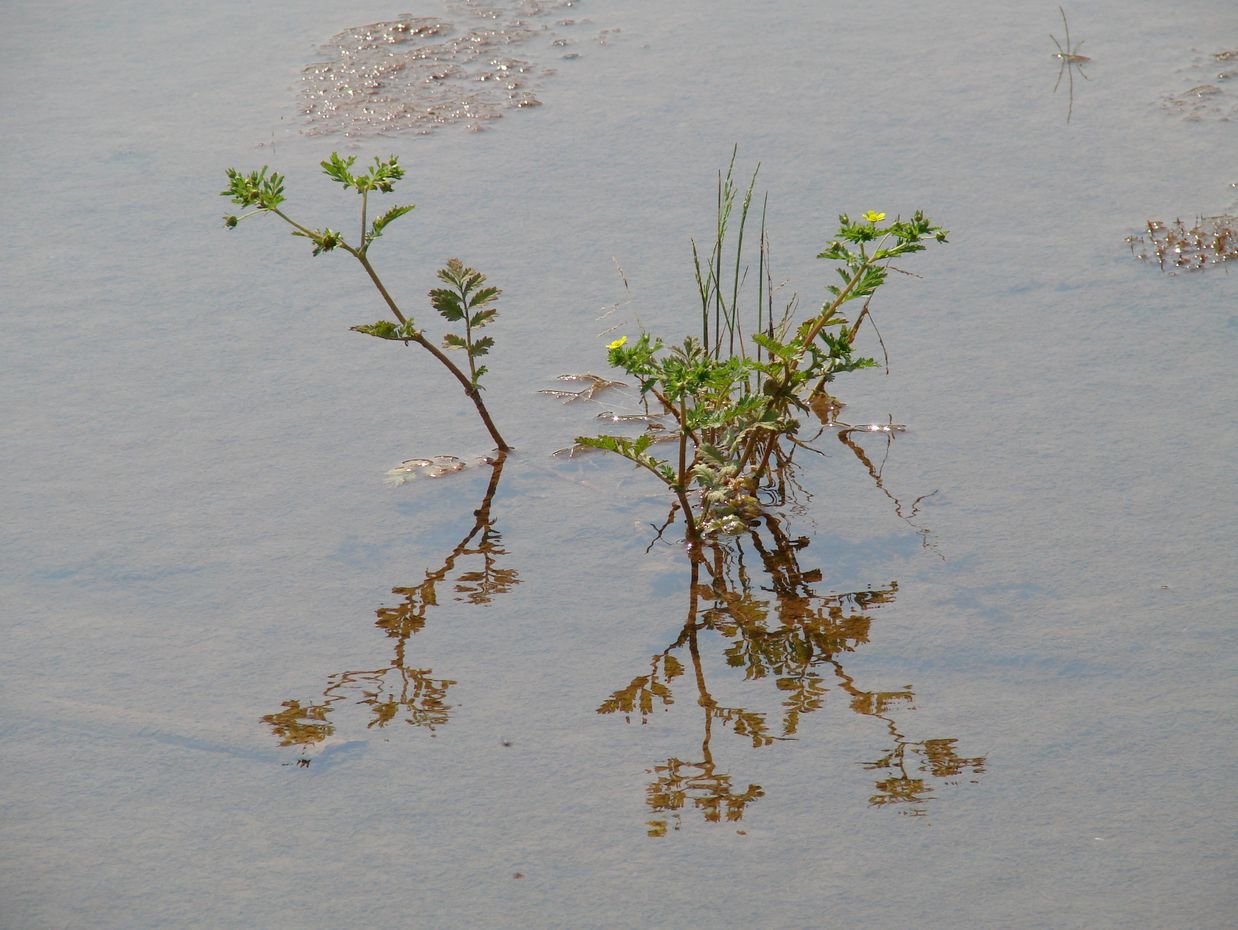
470, 391
692, 534
387, 298
769, 448
468, 336
683, 423
818, 323
309, 233
683, 440
474, 394
358, 252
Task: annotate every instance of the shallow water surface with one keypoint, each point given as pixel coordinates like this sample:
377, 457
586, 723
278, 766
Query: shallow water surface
976, 673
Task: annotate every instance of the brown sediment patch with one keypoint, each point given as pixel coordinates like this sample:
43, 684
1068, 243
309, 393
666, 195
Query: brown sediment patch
418, 74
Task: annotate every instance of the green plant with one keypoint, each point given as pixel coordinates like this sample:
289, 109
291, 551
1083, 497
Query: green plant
464, 300
733, 413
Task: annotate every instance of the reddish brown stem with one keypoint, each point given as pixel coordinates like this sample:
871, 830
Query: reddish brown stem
470, 390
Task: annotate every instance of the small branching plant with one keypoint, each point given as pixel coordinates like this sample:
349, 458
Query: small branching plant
732, 400
465, 300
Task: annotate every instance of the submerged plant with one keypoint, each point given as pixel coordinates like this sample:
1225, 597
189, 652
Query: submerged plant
731, 399
465, 300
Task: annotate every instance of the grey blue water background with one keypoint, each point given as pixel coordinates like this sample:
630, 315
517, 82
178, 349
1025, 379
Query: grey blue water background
196, 527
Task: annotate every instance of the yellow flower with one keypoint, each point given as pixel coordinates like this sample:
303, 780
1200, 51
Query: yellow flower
872, 217
622, 340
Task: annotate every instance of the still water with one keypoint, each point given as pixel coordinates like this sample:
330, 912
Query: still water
979, 673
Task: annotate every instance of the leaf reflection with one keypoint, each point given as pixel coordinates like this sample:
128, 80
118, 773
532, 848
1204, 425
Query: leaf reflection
400, 689
775, 627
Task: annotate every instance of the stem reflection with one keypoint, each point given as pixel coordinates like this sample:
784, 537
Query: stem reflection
400, 686
769, 621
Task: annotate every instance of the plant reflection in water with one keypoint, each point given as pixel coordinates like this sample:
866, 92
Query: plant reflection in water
398, 687
774, 625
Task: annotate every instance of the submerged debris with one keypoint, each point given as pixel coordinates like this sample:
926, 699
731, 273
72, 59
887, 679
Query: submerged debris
436, 467
570, 452
877, 428
826, 407
1205, 99
1212, 240
594, 384
653, 421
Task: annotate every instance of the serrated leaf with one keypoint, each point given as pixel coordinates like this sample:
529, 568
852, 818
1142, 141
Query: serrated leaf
453, 272
605, 443
452, 341
484, 316
633, 450
774, 347
447, 303
337, 169
485, 295
383, 329
481, 346
376, 229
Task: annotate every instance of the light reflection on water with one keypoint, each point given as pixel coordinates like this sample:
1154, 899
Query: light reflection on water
785, 641
401, 687
768, 620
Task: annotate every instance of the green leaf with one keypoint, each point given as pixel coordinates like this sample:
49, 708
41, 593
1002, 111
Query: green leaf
256, 189
452, 341
381, 176
485, 295
776, 348
383, 329
337, 169
634, 451
325, 240
376, 229
483, 317
453, 273
447, 303
481, 346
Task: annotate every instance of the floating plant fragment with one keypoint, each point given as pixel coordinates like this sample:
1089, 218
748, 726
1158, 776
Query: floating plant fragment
826, 407
653, 421
1212, 240
1205, 99
438, 466
876, 428
594, 384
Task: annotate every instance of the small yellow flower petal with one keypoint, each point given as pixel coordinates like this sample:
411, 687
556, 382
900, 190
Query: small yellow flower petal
873, 217
622, 340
